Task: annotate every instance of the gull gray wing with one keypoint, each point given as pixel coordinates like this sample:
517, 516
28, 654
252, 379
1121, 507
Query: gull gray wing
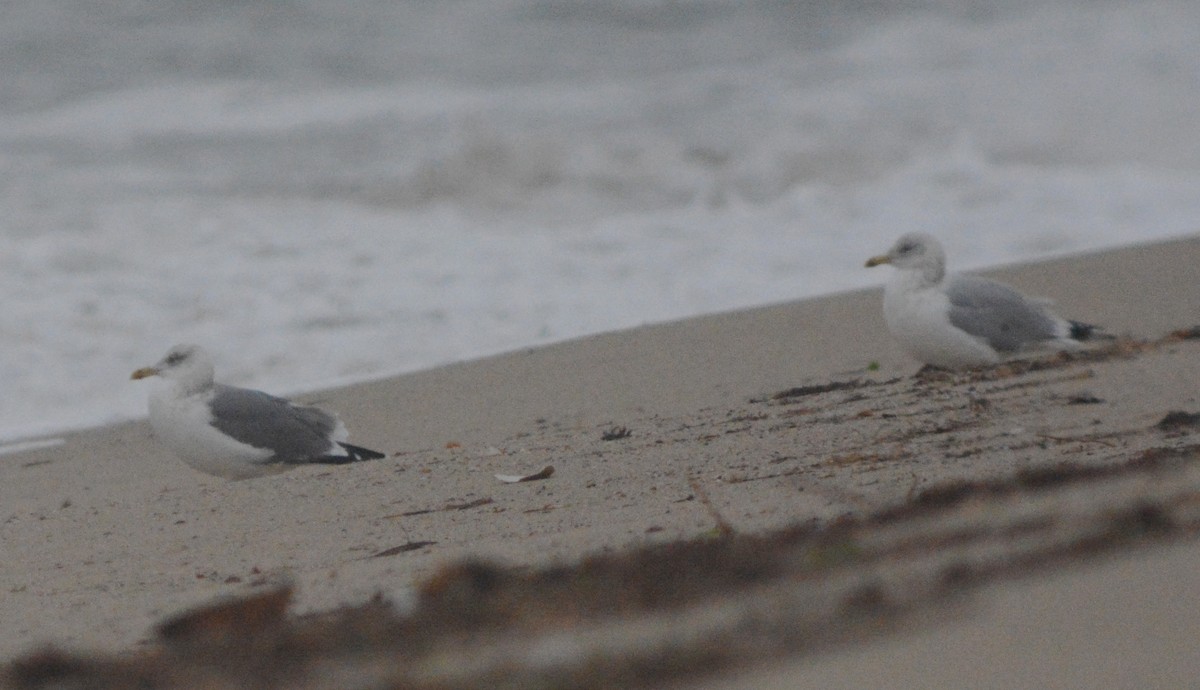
293, 432
1003, 317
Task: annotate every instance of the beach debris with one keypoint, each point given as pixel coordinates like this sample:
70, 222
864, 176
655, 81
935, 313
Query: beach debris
722, 527
801, 391
403, 548
976, 402
855, 458
1084, 398
227, 621
549, 507
449, 506
544, 473
469, 504
1078, 439
616, 433
1177, 420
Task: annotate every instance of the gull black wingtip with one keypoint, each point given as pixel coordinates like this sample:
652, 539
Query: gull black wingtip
353, 454
1086, 331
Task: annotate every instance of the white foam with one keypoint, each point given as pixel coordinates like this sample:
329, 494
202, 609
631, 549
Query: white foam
458, 199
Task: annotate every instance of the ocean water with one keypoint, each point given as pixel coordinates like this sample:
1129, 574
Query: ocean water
325, 191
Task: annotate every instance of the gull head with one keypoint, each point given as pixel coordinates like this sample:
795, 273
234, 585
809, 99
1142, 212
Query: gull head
187, 366
915, 251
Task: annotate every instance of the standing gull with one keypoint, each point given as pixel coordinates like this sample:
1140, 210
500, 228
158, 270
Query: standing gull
238, 433
958, 321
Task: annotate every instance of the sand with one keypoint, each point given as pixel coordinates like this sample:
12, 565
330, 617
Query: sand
670, 433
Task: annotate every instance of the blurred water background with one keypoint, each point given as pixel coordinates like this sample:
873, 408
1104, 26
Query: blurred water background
324, 191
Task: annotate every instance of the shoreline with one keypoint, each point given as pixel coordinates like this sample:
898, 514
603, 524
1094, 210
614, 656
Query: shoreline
1032, 271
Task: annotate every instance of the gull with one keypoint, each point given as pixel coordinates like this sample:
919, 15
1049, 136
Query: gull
238, 433
959, 321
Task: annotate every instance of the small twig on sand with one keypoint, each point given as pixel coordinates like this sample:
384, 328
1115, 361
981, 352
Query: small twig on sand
912, 489
723, 527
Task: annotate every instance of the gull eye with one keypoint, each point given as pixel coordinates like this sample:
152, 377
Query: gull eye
175, 358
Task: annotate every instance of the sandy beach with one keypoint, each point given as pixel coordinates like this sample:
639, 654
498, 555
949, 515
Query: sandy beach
1027, 525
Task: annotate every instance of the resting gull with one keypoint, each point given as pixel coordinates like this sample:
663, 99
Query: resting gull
959, 321
238, 433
